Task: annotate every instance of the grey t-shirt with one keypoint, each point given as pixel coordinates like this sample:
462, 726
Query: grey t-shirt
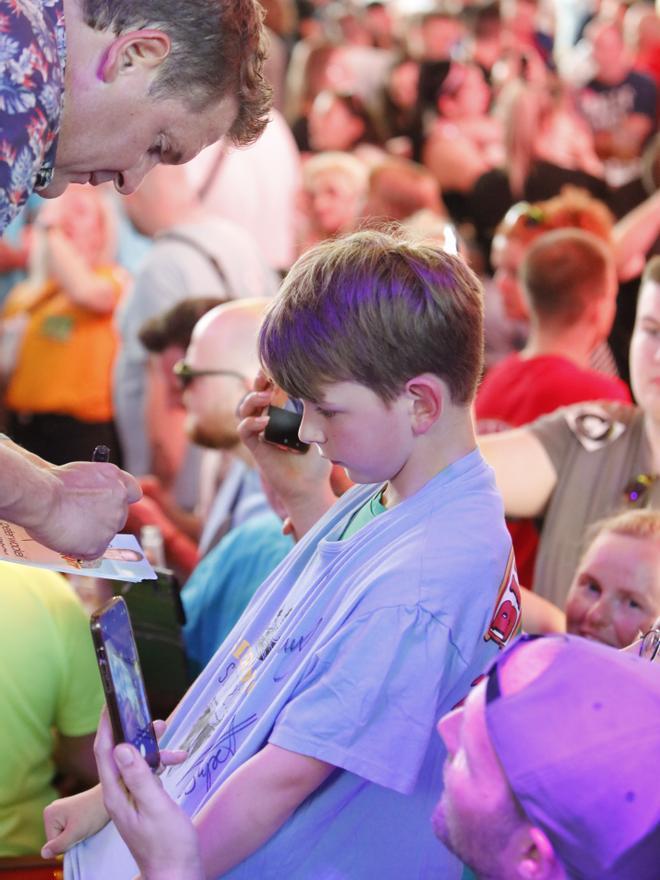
596, 450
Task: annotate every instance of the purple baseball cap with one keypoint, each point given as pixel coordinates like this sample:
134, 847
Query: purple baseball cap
580, 748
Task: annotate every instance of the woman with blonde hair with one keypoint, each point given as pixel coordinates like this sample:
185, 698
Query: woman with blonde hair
334, 188
58, 395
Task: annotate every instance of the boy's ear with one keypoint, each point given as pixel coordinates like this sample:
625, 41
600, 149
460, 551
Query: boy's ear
142, 50
427, 394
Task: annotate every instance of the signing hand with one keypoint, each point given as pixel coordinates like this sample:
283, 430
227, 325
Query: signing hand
83, 507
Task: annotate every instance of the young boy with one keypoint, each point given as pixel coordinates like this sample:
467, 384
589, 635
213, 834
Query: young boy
311, 745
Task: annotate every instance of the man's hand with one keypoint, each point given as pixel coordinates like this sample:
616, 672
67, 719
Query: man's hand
301, 483
83, 507
155, 829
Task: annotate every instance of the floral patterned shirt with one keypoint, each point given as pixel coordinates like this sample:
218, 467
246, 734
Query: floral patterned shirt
32, 59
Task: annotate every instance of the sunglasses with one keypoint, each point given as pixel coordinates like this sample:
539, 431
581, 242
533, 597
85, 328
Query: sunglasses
187, 374
649, 648
529, 215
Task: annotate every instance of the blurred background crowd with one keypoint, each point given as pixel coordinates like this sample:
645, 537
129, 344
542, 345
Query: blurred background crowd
522, 134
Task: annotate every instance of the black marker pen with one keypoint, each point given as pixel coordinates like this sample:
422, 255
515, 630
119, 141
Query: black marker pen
101, 453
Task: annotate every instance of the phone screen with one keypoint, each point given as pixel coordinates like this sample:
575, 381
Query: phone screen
121, 675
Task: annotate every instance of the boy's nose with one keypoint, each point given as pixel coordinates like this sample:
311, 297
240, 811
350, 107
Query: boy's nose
309, 431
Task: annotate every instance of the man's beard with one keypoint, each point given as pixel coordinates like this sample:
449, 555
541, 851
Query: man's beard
211, 438
478, 845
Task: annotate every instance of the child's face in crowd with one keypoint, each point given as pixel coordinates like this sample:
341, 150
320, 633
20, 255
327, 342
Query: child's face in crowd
616, 591
473, 97
334, 202
507, 255
331, 124
352, 427
80, 215
645, 351
404, 80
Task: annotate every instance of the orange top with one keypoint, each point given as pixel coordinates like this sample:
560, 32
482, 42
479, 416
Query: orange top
66, 355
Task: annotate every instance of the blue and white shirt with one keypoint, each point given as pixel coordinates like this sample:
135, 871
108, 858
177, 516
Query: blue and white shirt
32, 59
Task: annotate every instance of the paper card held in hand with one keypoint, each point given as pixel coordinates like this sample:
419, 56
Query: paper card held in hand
124, 560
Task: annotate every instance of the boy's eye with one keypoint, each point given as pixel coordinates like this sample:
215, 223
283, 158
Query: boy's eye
326, 413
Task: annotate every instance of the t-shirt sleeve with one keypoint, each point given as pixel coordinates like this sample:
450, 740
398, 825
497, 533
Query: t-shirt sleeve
554, 434
356, 708
79, 704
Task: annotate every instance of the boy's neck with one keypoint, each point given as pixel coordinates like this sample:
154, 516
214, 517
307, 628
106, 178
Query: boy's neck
451, 438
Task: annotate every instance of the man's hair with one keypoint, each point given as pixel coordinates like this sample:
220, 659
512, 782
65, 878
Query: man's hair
573, 208
218, 48
483, 20
563, 272
652, 270
404, 187
375, 309
175, 326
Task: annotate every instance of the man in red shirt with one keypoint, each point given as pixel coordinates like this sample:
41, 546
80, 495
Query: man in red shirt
569, 283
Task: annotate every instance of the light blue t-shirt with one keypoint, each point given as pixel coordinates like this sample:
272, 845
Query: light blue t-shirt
349, 653
224, 581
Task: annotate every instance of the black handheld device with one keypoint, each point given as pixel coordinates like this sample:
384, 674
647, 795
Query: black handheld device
283, 425
121, 675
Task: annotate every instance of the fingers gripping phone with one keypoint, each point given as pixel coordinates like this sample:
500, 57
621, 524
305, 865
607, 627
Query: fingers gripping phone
285, 418
123, 684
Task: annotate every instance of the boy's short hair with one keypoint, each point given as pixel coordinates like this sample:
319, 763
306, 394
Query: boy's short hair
375, 309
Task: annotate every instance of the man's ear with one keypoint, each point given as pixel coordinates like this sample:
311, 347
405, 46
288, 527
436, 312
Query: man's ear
427, 394
535, 858
135, 50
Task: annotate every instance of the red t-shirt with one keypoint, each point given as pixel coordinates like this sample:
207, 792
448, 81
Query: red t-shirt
517, 391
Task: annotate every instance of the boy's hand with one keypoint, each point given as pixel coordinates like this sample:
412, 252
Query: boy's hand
301, 483
156, 830
70, 820
67, 821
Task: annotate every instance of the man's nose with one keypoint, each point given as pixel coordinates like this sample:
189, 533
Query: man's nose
126, 182
449, 728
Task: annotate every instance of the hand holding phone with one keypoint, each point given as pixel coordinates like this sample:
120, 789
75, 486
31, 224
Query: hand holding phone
125, 694
285, 416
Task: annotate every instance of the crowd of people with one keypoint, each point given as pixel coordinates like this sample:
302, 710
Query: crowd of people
433, 232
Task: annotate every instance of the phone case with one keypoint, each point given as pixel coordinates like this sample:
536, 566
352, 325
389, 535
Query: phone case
282, 429
119, 665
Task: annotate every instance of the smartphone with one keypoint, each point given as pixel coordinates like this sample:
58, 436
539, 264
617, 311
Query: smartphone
285, 418
119, 665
